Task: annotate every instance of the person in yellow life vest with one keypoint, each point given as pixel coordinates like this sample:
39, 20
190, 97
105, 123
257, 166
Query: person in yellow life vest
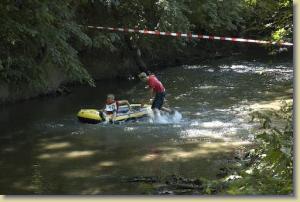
112, 106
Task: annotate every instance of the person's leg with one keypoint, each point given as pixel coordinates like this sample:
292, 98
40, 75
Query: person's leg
167, 110
156, 105
156, 112
161, 102
102, 115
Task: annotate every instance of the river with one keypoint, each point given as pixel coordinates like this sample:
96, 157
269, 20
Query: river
45, 150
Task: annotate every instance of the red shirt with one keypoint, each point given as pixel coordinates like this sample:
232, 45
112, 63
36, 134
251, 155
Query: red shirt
155, 84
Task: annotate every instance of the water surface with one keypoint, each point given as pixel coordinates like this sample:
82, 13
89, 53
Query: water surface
45, 150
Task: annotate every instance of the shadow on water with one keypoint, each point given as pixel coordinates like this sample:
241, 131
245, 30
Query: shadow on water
95, 161
44, 150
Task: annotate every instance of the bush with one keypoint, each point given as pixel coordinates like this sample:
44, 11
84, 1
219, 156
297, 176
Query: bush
271, 170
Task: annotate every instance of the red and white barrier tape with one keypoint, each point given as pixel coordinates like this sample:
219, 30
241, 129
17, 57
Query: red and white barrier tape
189, 35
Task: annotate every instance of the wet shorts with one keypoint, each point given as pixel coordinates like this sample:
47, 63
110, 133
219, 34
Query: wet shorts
158, 100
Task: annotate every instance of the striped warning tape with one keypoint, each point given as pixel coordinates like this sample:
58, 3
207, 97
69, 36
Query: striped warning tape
190, 35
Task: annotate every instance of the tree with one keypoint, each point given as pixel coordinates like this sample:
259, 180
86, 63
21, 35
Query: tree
35, 34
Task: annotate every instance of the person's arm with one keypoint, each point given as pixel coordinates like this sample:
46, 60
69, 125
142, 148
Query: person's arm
151, 93
124, 102
114, 115
129, 107
142, 102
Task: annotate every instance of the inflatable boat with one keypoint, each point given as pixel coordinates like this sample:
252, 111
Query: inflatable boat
96, 116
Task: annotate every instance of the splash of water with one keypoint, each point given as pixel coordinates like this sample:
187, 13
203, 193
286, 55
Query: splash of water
165, 118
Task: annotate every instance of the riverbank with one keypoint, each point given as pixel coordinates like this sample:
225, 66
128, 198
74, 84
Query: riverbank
107, 66
123, 66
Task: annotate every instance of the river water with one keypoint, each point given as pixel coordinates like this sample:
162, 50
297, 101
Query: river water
45, 150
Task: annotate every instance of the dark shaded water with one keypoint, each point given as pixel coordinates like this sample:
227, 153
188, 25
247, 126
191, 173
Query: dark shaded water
45, 150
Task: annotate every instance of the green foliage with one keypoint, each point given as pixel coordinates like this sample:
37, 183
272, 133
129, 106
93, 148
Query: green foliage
270, 19
279, 34
271, 171
36, 33
163, 15
172, 16
216, 16
106, 41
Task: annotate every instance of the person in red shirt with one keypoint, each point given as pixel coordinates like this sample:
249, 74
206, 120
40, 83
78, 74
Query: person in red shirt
156, 89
